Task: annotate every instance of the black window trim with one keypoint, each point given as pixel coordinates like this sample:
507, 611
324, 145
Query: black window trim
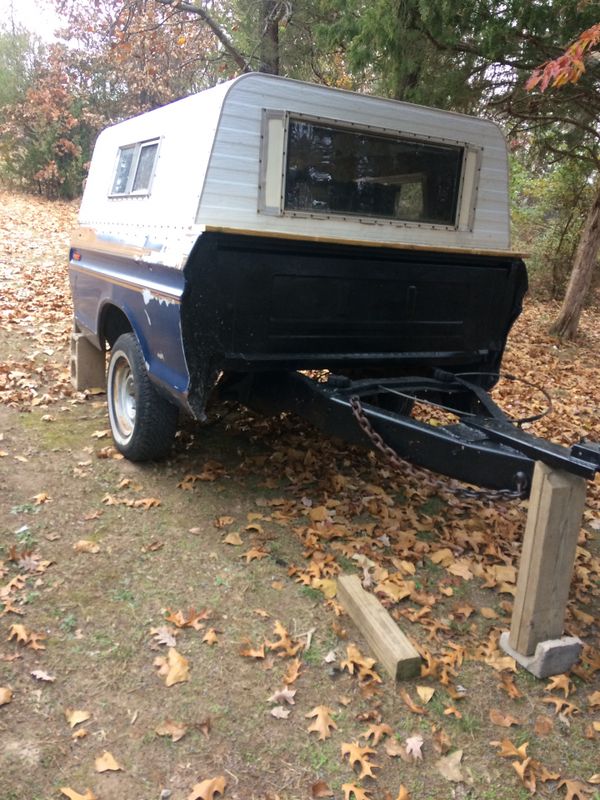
138, 147
388, 133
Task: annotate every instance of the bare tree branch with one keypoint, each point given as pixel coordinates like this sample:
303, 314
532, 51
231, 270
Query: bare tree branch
218, 31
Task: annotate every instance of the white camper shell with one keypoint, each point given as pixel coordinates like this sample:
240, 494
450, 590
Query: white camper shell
268, 225
218, 160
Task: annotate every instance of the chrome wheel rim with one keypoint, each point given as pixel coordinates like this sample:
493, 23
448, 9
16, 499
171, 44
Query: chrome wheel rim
123, 405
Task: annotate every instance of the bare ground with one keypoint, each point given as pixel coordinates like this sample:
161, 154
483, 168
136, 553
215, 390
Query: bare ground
308, 508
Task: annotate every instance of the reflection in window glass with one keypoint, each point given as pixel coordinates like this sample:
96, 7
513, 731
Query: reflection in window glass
123, 168
145, 165
342, 171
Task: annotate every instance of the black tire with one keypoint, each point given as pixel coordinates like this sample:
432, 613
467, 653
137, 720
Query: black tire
143, 423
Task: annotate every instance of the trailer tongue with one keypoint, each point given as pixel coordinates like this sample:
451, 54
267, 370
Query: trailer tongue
484, 447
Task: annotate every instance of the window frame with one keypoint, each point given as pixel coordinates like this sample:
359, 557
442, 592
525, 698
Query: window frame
467, 184
132, 172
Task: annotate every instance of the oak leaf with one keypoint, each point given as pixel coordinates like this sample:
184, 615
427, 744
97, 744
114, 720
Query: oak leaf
560, 682
543, 725
561, 706
234, 539
509, 750
174, 668
320, 789
253, 652
414, 745
351, 789
107, 763
525, 773
6, 695
42, 675
206, 790
410, 704
376, 733
279, 712
283, 696
86, 546
176, 730
504, 720
75, 716
359, 755
323, 723
210, 637
73, 795
394, 749
594, 700
449, 766
293, 670
508, 685
19, 633
425, 693
576, 790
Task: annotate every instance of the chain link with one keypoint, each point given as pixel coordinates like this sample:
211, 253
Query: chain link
399, 463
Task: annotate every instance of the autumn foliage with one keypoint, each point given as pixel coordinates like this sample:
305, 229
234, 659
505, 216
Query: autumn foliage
569, 67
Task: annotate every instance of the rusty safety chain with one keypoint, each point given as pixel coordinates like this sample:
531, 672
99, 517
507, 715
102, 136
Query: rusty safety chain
400, 463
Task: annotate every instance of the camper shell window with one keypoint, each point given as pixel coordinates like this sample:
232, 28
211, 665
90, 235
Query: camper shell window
340, 170
135, 169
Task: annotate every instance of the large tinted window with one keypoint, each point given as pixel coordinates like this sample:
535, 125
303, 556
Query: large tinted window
344, 171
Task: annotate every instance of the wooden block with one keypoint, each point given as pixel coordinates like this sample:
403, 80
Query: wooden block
553, 522
390, 646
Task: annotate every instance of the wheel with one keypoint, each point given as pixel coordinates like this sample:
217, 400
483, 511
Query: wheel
143, 423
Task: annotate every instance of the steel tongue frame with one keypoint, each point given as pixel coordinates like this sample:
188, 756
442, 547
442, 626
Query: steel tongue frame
484, 447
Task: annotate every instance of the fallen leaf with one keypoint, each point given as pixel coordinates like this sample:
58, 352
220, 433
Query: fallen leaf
509, 750
410, 704
86, 546
19, 633
576, 790
560, 682
320, 789
206, 790
543, 725
210, 637
73, 795
323, 723
283, 696
377, 733
359, 755
394, 748
174, 668
279, 712
253, 652
425, 693
234, 539
350, 789
6, 695
107, 763
292, 672
449, 766
414, 745
176, 730
40, 675
504, 720
223, 522
75, 716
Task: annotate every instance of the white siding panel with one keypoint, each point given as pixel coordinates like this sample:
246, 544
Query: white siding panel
242, 111
208, 168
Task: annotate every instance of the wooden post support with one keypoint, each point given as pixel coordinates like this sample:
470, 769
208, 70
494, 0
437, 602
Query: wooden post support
390, 646
555, 514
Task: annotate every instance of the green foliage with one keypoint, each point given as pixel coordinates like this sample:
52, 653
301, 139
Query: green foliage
18, 52
548, 211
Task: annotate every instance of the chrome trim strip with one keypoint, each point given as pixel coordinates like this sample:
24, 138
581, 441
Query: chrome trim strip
138, 286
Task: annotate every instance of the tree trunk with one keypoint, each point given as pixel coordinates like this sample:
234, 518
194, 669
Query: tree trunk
565, 325
269, 36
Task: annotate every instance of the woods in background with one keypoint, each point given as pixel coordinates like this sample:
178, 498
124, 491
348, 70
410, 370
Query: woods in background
117, 58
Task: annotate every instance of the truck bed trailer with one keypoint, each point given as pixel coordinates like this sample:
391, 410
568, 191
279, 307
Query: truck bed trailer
245, 235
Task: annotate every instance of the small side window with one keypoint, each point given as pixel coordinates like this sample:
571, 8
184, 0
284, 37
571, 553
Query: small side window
135, 169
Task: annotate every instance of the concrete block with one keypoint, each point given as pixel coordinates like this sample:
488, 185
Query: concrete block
88, 364
552, 657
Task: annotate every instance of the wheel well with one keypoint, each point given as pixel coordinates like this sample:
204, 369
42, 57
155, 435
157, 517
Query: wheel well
113, 323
